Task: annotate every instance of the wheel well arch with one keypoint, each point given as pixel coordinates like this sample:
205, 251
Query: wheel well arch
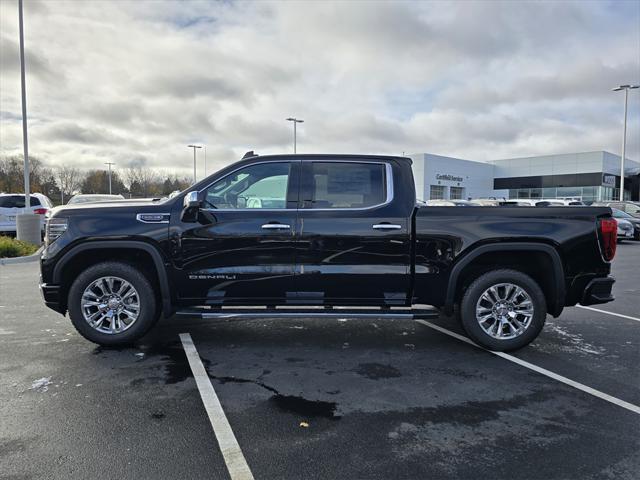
139, 254
541, 262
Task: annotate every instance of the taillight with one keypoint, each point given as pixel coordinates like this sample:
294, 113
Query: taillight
608, 238
40, 211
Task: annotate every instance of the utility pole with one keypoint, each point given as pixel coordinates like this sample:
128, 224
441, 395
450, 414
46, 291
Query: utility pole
109, 163
295, 123
194, 161
626, 89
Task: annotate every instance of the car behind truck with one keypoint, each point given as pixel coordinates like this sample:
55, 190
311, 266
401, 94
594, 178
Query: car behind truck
322, 236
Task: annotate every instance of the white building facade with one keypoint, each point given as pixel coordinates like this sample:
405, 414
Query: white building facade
437, 177
588, 176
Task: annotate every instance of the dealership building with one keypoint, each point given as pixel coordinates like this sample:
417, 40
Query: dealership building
588, 176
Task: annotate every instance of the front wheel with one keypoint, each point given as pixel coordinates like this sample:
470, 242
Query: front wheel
503, 310
112, 303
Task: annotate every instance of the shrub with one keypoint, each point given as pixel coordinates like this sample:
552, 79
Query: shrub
10, 247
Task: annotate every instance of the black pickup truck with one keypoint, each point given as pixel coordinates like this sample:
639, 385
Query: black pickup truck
322, 236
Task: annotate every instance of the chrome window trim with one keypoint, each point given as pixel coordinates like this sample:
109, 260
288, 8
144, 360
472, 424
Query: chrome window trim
139, 215
388, 184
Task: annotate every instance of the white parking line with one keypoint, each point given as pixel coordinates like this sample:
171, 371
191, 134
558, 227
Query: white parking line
233, 457
592, 391
609, 313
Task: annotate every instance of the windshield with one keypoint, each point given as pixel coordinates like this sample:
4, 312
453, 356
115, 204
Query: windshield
620, 214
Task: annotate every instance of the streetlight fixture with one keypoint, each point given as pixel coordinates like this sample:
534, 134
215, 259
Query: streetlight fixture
194, 160
295, 123
109, 163
626, 89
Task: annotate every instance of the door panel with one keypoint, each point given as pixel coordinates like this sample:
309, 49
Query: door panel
355, 253
234, 258
244, 251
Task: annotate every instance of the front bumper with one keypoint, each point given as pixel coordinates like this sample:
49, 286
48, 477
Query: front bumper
597, 291
51, 296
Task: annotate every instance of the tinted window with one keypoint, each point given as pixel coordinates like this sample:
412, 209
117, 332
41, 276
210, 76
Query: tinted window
16, 201
256, 186
347, 185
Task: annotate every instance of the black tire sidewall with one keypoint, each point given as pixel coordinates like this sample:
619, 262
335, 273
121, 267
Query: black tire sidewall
148, 308
472, 294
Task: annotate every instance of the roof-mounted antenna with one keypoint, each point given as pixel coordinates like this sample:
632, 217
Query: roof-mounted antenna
249, 154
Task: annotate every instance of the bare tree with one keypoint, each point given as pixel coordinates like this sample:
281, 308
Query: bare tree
142, 181
69, 180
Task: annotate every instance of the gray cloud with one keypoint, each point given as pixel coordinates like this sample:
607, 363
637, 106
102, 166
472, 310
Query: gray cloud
135, 82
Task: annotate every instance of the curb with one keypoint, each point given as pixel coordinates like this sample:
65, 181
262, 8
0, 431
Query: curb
34, 257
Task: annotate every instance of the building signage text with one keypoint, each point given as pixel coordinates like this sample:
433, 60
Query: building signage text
451, 178
609, 180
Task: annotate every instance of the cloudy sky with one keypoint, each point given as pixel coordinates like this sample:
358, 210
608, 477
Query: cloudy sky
135, 82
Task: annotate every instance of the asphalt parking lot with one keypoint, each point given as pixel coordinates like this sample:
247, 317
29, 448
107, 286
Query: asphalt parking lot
382, 399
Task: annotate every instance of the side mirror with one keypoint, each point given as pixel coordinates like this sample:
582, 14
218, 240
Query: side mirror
190, 207
191, 200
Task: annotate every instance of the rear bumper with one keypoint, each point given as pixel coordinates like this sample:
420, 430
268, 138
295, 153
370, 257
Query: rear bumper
597, 291
51, 296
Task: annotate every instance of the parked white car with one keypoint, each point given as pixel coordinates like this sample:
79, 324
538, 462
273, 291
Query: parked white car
93, 198
625, 229
13, 204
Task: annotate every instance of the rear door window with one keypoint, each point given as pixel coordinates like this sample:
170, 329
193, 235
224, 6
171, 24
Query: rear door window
346, 185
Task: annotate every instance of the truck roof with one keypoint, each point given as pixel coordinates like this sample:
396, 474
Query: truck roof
329, 156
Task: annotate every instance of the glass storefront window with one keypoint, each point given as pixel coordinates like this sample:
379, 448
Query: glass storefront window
437, 192
549, 192
535, 193
456, 193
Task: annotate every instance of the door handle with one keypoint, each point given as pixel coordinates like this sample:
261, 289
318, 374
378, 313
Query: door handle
386, 226
275, 226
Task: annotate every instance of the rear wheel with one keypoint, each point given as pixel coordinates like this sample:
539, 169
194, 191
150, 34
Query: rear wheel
112, 303
503, 310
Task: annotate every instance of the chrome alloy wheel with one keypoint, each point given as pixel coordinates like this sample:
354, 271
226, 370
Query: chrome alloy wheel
504, 311
110, 305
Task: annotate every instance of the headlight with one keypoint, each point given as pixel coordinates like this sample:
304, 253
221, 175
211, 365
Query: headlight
55, 227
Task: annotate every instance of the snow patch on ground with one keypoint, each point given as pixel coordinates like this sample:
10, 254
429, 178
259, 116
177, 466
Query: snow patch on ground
41, 385
6, 332
575, 341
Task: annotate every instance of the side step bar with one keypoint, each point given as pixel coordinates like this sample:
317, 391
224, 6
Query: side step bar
320, 312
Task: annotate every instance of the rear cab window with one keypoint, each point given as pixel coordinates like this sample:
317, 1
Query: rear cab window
346, 185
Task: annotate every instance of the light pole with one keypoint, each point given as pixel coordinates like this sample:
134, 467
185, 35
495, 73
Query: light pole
295, 123
109, 163
27, 224
626, 89
194, 160
205, 161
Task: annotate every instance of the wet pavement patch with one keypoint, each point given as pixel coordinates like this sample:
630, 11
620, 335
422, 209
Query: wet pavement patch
376, 371
158, 415
175, 365
307, 408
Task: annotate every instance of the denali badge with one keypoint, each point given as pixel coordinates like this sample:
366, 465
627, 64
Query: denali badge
153, 217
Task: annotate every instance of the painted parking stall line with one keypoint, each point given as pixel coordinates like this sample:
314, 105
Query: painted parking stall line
231, 452
567, 381
609, 313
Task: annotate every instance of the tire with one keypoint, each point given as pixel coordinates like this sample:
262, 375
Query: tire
140, 298
527, 311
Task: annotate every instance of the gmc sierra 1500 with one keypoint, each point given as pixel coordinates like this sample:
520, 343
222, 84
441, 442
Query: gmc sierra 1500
322, 235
